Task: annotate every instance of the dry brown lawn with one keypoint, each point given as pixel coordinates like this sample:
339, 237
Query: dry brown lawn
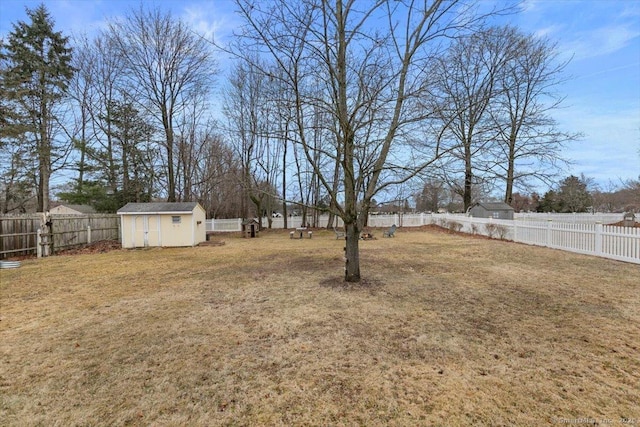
445, 330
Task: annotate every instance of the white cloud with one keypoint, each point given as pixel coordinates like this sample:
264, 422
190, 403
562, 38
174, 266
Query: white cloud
196, 18
549, 31
214, 20
528, 6
600, 41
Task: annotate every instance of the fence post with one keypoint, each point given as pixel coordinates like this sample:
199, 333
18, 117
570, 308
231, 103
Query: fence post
598, 240
548, 239
88, 234
39, 243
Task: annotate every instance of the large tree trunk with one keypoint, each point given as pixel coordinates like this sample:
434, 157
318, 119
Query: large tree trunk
352, 253
44, 154
468, 180
508, 197
284, 182
171, 197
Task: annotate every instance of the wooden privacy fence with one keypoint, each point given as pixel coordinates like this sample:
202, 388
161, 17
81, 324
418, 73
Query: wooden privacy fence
22, 235
18, 234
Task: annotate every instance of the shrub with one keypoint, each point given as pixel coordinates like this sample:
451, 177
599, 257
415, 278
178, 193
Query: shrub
496, 230
490, 228
502, 231
454, 226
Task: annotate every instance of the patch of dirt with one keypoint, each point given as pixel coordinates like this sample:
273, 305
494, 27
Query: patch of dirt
364, 284
98, 247
212, 243
437, 229
621, 224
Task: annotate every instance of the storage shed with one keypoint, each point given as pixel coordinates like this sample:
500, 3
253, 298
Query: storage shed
162, 224
496, 210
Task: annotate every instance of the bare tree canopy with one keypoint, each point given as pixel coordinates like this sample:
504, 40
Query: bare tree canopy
496, 92
364, 67
529, 141
168, 67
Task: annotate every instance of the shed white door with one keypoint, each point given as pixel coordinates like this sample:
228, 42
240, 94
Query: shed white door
146, 231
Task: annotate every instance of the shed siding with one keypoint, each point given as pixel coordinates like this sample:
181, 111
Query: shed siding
176, 234
199, 229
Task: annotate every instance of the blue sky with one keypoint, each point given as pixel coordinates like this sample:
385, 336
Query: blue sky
602, 38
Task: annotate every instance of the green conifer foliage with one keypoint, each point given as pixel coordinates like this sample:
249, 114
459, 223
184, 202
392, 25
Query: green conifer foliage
35, 69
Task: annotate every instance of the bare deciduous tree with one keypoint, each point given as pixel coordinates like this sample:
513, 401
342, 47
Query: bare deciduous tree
370, 61
243, 107
167, 64
468, 76
528, 139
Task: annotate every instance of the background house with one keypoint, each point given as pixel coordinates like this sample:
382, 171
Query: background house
68, 209
496, 210
162, 224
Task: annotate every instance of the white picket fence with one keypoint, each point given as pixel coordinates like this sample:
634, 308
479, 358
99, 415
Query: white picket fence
581, 233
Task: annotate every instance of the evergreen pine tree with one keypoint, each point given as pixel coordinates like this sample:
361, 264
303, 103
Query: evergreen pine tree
34, 74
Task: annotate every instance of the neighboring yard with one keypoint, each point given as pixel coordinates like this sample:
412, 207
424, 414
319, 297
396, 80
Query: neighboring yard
447, 330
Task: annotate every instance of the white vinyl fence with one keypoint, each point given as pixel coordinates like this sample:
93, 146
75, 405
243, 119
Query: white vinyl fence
224, 225
581, 233
583, 218
581, 236
230, 225
621, 243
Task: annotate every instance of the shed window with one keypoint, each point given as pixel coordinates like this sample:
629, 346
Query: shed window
176, 219
495, 215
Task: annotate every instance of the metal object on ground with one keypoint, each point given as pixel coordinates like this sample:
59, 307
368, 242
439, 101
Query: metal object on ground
9, 264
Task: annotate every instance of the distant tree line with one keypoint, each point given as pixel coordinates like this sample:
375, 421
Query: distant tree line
571, 194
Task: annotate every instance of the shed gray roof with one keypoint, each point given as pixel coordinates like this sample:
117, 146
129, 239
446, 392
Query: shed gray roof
494, 206
158, 207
